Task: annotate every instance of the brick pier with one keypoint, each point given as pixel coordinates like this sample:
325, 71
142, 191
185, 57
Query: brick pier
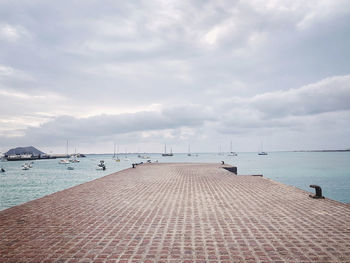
177, 213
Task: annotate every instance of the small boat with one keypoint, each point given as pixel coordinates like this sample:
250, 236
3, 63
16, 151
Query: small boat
262, 150
231, 153
25, 166
143, 156
74, 159
101, 166
262, 153
189, 151
2, 170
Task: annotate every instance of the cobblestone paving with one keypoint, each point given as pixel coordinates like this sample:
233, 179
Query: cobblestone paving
177, 213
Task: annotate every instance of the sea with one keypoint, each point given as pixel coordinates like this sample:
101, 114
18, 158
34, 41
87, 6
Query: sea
330, 170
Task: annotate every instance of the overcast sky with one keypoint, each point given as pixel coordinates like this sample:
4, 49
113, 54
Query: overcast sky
148, 72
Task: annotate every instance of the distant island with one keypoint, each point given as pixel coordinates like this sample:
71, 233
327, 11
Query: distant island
24, 150
346, 150
32, 153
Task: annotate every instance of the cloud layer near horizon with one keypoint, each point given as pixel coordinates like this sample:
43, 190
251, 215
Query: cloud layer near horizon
149, 72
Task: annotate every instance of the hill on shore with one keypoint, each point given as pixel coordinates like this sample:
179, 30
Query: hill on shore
24, 150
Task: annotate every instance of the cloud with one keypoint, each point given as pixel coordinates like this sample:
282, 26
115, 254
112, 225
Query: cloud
277, 110
327, 95
322, 10
84, 129
12, 33
89, 71
11, 74
292, 109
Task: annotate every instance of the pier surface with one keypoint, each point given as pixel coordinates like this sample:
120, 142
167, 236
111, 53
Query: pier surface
177, 213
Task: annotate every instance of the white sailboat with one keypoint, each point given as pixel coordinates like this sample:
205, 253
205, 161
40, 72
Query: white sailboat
66, 160
189, 150
219, 150
73, 158
126, 158
231, 153
262, 150
143, 156
26, 166
115, 155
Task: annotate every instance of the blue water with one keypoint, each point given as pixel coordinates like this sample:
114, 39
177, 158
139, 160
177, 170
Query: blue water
329, 170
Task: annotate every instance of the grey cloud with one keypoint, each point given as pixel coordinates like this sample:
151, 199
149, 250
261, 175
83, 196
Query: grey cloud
126, 55
292, 109
331, 94
108, 125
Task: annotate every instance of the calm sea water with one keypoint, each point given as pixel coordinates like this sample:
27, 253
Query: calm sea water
329, 170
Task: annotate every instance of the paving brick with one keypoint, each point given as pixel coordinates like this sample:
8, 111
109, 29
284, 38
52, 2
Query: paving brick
177, 213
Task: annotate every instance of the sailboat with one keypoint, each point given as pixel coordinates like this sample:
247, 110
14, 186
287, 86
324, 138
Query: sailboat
231, 152
262, 150
115, 156
143, 156
167, 154
189, 151
126, 158
114, 153
65, 161
74, 158
219, 150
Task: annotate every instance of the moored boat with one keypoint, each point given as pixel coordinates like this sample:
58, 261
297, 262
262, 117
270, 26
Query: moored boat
26, 166
64, 161
231, 153
262, 150
101, 165
167, 154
